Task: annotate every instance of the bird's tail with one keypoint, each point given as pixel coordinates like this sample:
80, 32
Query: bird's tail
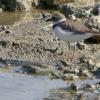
93, 32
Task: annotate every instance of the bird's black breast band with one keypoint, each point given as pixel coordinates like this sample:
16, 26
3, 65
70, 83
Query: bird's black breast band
55, 25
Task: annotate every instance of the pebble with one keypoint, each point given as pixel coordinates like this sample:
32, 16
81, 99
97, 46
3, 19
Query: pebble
74, 87
81, 45
69, 77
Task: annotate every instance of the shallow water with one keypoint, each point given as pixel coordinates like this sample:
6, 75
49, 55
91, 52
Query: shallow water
23, 87
26, 87
9, 18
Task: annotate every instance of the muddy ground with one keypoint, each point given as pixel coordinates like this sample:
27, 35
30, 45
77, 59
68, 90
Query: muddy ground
27, 41
28, 44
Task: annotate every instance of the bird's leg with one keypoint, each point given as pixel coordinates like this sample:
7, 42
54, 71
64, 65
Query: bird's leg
73, 53
69, 48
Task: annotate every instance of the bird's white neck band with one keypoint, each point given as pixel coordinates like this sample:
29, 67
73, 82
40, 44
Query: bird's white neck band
54, 23
60, 21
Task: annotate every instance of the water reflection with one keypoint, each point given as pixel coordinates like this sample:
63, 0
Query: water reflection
9, 18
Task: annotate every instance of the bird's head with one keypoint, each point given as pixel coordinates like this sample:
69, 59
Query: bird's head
57, 17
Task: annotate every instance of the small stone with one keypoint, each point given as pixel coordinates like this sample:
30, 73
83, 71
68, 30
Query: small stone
67, 9
93, 23
55, 67
98, 85
4, 27
76, 71
7, 32
1, 10
71, 71
96, 10
74, 87
89, 86
65, 63
93, 87
91, 62
3, 43
86, 58
72, 17
28, 69
39, 16
47, 16
81, 45
54, 75
69, 77
84, 73
98, 64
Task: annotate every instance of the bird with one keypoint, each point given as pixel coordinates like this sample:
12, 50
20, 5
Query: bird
70, 31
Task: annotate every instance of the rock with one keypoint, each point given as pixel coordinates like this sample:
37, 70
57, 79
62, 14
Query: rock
96, 10
13, 5
43, 3
69, 77
67, 70
49, 3
88, 59
98, 85
39, 16
52, 50
3, 28
98, 64
7, 31
1, 10
26, 69
91, 62
65, 63
93, 22
72, 17
54, 75
74, 87
55, 67
83, 72
4, 43
35, 3
87, 73
67, 9
81, 13
56, 70
70, 9
89, 87
47, 16
81, 45
0, 4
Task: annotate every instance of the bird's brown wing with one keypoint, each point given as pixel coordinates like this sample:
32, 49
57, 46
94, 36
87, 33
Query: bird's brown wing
77, 27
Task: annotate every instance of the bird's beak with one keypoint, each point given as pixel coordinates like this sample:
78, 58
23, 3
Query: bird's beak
52, 18
49, 19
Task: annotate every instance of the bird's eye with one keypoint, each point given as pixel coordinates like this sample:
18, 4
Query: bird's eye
53, 18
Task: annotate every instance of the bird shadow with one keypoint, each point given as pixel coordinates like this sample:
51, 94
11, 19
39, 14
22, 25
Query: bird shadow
92, 40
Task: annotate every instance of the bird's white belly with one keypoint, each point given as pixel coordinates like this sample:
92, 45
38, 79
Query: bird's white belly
70, 36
